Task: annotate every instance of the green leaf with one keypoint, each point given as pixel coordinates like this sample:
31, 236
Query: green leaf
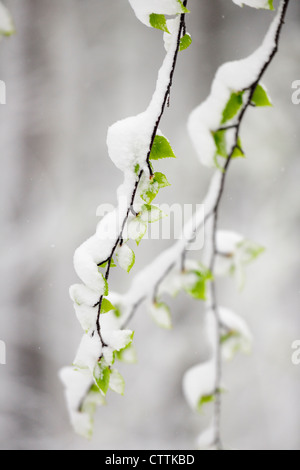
228, 336
137, 169
198, 289
7, 27
137, 229
161, 149
102, 378
221, 144
159, 22
161, 314
104, 265
205, 401
117, 382
185, 42
106, 306
183, 8
117, 312
159, 181
126, 257
127, 355
238, 151
260, 97
249, 251
151, 214
233, 106
271, 4
106, 288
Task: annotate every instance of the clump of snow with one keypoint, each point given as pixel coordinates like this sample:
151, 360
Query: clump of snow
117, 340
199, 382
264, 4
87, 316
240, 337
88, 353
125, 257
82, 295
206, 440
129, 142
144, 8
78, 397
6, 23
161, 314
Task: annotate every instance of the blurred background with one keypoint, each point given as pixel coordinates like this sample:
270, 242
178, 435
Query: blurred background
74, 68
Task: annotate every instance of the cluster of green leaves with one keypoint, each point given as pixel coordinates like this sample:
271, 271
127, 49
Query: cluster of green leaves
198, 289
106, 377
161, 149
159, 21
230, 113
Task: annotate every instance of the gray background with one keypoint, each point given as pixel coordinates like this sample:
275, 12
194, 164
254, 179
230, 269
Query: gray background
73, 68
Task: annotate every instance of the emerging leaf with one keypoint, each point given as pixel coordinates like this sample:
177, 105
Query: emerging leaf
233, 106
117, 382
102, 377
137, 229
161, 314
126, 258
220, 141
158, 182
159, 22
196, 285
238, 151
127, 355
205, 401
6, 23
260, 97
183, 8
185, 42
161, 149
151, 214
106, 306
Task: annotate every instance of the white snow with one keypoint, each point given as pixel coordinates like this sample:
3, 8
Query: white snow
117, 340
253, 3
88, 353
144, 8
125, 257
206, 440
82, 295
6, 23
76, 387
242, 339
87, 317
198, 382
117, 383
161, 314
